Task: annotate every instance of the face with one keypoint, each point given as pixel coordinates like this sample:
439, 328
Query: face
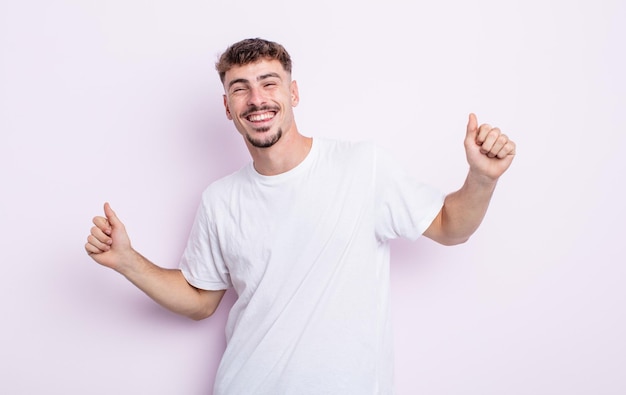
259, 99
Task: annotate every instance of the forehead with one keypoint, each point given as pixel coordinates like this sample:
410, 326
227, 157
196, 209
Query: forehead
252, 71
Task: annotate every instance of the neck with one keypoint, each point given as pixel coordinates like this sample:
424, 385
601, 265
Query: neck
281, 157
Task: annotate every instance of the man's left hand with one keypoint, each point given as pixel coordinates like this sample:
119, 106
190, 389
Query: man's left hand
489, 151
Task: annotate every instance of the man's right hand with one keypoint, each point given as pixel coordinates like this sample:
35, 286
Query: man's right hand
108, 244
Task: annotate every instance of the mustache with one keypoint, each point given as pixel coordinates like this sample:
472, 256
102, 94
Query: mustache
254, 108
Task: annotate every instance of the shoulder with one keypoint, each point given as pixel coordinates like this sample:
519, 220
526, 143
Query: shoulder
222, 189
345, 150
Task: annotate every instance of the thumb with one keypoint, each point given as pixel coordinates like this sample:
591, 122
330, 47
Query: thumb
472, 126
111, 216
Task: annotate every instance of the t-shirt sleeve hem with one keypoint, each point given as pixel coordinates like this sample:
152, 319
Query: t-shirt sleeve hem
203, 284
428, 220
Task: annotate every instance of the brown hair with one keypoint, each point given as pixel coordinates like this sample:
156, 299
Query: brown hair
251, 50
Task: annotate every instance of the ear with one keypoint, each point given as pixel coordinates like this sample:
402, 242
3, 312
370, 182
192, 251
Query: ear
228, 115
295, 96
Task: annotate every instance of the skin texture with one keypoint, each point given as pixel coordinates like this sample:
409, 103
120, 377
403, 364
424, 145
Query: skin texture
109, 245
259, 98
264, 89
489, 154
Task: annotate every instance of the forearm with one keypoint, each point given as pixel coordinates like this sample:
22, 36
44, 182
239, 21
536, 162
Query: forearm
464, 210
489, 154
109, 245
169, 288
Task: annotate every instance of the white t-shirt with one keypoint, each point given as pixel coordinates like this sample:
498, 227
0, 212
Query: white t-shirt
307, 253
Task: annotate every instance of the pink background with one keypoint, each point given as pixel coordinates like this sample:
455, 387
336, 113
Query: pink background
118, 101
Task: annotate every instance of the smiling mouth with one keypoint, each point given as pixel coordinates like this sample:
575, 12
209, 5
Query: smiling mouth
261, 117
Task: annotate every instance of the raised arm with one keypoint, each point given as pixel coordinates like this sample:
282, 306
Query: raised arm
489, 154
109, 245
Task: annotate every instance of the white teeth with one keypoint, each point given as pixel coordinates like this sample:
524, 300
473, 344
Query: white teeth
261, 117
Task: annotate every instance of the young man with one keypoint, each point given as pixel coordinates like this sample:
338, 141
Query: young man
302, 234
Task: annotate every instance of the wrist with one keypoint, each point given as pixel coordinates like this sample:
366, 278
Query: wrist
481, 180
131, 261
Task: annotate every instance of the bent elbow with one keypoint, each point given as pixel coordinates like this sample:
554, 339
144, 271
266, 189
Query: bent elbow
199, 315
206, 304
207, 309
449, 242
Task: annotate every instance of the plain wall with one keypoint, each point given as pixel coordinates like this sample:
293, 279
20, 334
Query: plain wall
118, 101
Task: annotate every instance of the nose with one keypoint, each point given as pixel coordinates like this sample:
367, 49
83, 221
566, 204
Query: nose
256, 97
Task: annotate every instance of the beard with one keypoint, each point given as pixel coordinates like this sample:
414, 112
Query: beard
267, 141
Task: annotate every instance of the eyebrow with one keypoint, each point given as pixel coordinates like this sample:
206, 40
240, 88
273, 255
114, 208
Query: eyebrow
268, 75
259, 78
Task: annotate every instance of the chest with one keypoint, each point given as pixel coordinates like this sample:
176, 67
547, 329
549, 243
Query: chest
280, 233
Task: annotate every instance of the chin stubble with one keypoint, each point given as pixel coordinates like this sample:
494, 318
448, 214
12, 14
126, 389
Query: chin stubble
266, 143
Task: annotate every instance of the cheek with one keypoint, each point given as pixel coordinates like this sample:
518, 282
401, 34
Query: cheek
233, 108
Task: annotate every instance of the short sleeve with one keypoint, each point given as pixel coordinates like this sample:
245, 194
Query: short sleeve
405, 207
202, 263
